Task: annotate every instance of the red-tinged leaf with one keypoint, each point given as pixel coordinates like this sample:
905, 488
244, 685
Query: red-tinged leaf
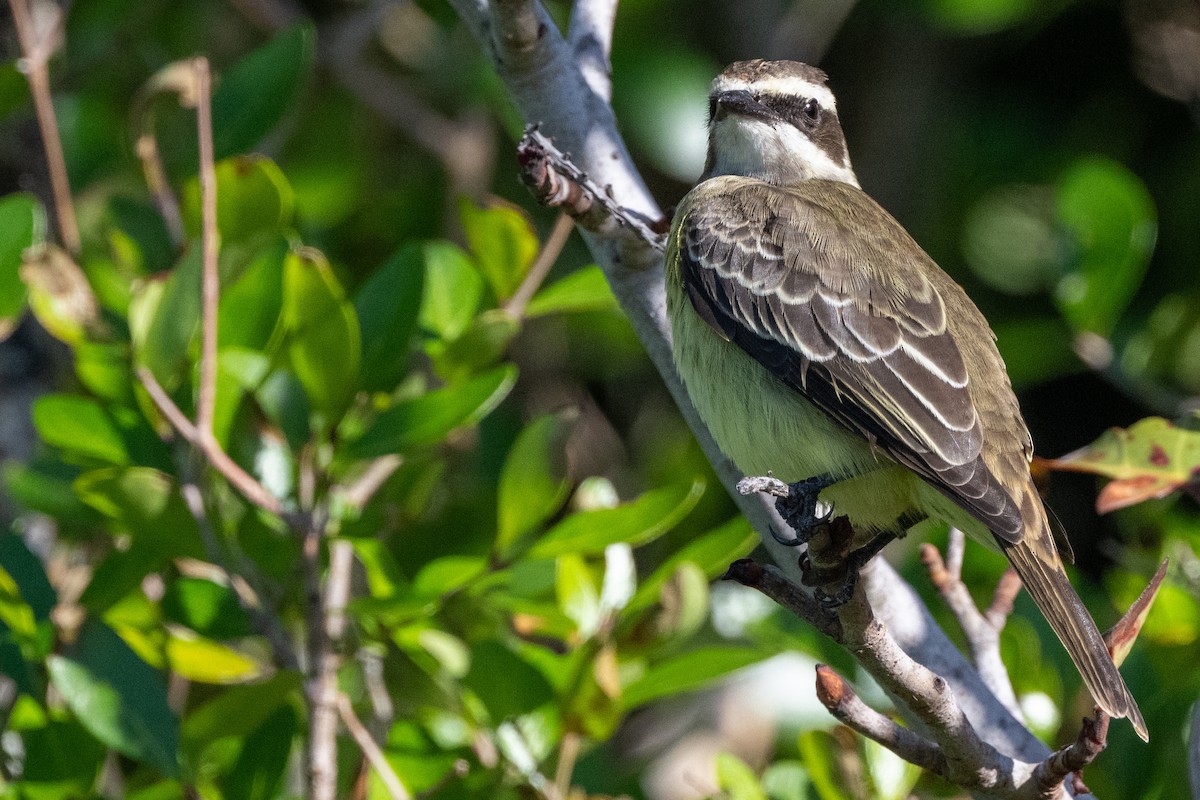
1121, 637
1150, 459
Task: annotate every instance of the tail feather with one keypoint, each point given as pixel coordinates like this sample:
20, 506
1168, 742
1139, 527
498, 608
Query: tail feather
1037, 562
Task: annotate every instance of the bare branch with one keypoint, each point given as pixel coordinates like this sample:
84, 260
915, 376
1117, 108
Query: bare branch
591, 34
563, 226
371, 750
206, 397
217, 458
39, 36
846, 706
1049, 775
982, 632
774, 584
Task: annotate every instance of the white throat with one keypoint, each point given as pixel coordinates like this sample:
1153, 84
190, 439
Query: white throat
778, 154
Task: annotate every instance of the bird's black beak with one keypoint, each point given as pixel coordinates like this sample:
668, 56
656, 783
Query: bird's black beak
739, 103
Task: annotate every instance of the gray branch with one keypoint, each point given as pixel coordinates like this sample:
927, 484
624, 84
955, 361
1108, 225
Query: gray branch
541, 70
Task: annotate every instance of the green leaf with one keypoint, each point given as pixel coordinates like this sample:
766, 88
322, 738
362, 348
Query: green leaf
206, 607
60, 756
45, 486
253, 96
203, 660
387, 305
249, 313
104, 370
533, 481
261, 767
645, 519
503, 242
22, 225
426, 420
482, 345
819, 752
81, 426
28, 574
583, 290
506, 684
1109, 218
976, 17
1152, 458
577, 593
892, 777
736, 779
323, 336
164, 317
447, 574
712, 552
253, 197
239, 710
453, 290
689, 671
146, 503
117, 697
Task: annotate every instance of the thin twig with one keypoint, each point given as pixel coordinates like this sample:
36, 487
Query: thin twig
217, 458
371, 750
36, 49
359, 492
982, 631
206, 397
845, 705
549, 253
568, 754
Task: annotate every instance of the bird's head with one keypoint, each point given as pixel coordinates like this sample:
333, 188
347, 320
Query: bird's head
776, 121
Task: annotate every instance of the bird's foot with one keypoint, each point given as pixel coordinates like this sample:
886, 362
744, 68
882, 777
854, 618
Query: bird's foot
837, 567
799, 509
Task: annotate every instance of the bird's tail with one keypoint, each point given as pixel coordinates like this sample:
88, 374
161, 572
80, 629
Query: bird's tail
1036, 560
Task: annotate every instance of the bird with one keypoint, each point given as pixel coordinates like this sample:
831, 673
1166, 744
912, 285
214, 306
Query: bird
821, 344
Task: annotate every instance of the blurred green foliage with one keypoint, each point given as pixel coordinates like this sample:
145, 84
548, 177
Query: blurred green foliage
535, 566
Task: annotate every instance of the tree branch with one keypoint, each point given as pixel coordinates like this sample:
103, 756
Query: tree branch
39, 38
591, 35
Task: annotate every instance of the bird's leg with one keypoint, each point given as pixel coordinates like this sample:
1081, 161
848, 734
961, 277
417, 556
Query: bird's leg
799, 509
846, 570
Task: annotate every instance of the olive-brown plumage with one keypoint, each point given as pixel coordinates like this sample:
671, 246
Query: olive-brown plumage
817, 338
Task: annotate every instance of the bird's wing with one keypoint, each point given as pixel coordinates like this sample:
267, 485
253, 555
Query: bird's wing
847, 318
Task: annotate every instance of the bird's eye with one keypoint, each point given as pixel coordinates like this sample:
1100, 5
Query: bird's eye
811, 110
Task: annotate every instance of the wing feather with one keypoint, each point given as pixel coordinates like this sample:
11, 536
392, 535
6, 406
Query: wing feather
845, 321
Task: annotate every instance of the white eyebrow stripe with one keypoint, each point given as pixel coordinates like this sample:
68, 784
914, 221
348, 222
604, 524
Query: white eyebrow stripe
790, 85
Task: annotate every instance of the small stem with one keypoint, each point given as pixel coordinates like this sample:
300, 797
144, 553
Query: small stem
568, 754
35, 57
211, 290
371, 750
541, 266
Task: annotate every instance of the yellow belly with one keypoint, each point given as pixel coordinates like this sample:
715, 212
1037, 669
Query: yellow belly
765, 426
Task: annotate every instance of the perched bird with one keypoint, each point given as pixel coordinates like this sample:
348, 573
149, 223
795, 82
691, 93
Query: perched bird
818, 340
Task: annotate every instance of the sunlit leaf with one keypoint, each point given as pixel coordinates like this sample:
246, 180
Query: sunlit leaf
583, 290
641, 521
712, 552
164, 317
819, 752
117, 697
533, 481
689, 671
503, 242
1150, 459
253, 197
22, 223
81, 426
206, 661
323, 335
736, 779
482, 344
453, 290
577, 593
426, 420
206, 607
